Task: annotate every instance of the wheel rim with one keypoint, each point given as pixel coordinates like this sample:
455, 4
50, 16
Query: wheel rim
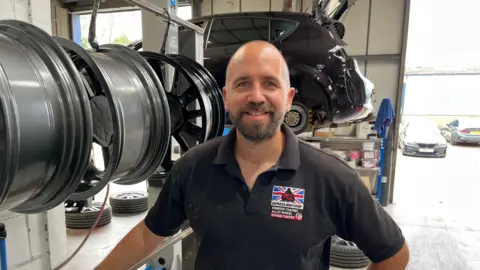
187, 88
40, 179
136, 103
129, 195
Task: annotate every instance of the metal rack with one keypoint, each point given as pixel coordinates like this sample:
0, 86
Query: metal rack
171, 249
349, 143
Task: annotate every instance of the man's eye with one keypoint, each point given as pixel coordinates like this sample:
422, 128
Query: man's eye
270, 83
242, 84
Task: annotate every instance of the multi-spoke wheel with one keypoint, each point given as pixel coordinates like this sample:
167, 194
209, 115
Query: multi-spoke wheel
131, 122
196, 112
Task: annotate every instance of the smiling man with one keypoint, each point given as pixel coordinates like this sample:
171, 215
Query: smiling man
258, 198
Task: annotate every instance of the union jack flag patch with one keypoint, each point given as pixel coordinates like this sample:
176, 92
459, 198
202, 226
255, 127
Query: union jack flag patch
287, 202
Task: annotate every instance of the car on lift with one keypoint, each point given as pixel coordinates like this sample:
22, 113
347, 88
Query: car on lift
330, 87
422, 137
464, 130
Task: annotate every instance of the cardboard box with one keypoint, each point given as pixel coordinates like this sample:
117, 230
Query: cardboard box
325, 132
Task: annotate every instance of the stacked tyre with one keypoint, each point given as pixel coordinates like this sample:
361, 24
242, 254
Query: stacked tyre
345, 254
86, 217
130, 202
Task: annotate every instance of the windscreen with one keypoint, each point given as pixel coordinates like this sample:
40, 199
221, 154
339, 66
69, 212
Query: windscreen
423, 128
469, 123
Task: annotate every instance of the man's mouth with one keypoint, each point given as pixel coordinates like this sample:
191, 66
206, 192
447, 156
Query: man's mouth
256, 113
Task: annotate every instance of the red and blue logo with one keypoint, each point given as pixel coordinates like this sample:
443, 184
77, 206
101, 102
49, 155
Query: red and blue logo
288, 195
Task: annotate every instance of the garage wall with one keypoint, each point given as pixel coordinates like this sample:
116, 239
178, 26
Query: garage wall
375, 35
209, 7
33, 242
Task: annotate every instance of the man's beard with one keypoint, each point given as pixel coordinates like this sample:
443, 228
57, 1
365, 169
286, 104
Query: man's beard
257, 131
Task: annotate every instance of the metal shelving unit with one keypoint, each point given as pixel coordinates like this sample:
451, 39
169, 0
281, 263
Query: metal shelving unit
346, 144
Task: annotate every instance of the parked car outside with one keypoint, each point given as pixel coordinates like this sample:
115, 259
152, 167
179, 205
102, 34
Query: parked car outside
464, 130
422, 138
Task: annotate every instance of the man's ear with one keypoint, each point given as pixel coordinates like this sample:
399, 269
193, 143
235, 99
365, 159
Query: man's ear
290, 95
224, 90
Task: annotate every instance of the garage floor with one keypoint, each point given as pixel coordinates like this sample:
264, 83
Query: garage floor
436, 204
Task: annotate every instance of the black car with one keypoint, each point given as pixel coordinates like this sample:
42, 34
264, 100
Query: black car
330, 86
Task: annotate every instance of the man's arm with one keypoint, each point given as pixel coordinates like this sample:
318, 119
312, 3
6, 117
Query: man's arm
366, 223
163, 219
133, 248
397, 261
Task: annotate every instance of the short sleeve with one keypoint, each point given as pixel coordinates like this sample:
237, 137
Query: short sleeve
366, 223
167, 214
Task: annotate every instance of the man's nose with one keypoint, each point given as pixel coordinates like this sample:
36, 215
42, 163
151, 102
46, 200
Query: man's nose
256, 94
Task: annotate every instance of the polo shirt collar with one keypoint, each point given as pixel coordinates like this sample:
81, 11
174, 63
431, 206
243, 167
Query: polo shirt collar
290, 158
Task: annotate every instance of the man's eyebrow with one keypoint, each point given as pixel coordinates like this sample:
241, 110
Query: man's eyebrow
241, 78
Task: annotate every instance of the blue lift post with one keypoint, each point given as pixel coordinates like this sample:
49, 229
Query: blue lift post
3, 247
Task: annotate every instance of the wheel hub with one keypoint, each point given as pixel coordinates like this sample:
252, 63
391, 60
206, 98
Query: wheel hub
292, 118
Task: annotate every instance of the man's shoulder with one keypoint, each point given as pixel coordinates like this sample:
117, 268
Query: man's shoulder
326, 163
204, 152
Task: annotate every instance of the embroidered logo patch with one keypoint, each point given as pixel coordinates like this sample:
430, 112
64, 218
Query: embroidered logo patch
287, 202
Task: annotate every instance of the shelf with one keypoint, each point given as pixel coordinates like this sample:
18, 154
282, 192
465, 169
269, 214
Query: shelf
361, 169
338, 139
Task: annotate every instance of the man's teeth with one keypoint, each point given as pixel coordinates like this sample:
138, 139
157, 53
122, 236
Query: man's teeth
256, 113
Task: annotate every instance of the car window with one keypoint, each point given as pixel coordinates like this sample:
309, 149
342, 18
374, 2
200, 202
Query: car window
470, 123
281, 29
233, 31
423, 128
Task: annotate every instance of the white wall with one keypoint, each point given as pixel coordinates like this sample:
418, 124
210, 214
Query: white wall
442, 95
31, 244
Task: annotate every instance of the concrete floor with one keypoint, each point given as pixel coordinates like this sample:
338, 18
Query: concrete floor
436, 204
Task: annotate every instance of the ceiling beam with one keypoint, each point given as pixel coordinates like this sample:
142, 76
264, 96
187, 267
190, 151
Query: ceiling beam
85, 6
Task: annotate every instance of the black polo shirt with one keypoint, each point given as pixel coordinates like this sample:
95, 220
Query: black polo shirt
285, 222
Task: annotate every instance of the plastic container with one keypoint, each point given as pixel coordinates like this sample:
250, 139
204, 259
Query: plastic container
369, 163
368, 146
368, 154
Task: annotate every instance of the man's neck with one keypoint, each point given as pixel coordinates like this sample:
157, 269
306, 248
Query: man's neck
263, 152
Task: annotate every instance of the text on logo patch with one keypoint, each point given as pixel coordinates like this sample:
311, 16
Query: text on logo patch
287, 202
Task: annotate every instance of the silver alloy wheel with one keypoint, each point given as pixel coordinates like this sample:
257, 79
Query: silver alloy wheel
45, 120
138, 109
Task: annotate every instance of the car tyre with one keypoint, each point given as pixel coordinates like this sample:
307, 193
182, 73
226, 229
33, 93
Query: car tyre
453, 140
85, 218
345, 254
129, 202
297, 118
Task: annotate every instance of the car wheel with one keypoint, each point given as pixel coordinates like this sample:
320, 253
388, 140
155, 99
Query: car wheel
130, 202
346, 254
297, 118
453, 140
86, 217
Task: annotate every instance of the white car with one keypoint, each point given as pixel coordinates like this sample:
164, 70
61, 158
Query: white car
422, 138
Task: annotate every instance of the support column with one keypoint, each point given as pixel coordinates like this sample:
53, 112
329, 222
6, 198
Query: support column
33, 241
153, 32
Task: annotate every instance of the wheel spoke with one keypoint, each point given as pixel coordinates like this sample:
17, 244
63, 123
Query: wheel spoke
188, 96
194, 114
181, 141
193, 130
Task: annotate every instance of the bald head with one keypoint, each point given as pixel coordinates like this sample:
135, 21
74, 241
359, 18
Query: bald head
257, 91
260, 52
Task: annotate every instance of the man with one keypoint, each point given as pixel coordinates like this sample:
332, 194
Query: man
258, 198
